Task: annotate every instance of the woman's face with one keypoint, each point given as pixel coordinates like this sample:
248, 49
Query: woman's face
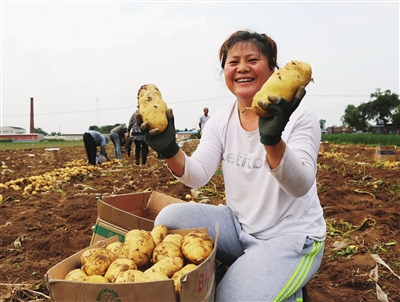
246, 70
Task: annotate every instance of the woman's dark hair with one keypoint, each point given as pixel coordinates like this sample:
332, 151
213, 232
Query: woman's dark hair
264, 43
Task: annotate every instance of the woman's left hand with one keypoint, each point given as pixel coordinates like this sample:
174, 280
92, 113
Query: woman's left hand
271, 128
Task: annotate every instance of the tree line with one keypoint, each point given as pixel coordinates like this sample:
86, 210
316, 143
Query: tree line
383, 109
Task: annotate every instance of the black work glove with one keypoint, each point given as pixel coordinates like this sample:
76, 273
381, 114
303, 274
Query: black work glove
271, 128
163, 143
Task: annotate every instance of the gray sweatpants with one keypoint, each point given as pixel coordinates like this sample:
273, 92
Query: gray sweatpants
259, 270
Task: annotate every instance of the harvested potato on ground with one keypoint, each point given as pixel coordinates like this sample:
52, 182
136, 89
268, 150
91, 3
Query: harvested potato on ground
196, 246
96, 279
131, 276
140, 246
77, 274
152, 107
115, 247
175, 238
119, 265
155, 276
167, 266
98, 261
166, 249
283, 83
176, 277
158, 233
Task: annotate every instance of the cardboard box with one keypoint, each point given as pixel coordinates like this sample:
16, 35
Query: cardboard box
383, 153
118, 214
198, 285
324, 147
52, 153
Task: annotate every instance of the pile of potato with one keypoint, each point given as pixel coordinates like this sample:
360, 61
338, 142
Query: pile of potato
36, 184
145, 256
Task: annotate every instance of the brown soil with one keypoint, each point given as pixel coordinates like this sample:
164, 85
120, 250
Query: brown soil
361, 200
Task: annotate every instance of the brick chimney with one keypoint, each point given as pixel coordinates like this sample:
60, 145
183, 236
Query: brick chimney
32, 124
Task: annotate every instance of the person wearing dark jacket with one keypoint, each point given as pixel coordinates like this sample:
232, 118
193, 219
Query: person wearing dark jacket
93, 139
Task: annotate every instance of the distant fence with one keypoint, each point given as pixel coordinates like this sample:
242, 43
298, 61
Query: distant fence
65, 137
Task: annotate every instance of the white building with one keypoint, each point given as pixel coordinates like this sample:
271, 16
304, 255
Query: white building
12, 130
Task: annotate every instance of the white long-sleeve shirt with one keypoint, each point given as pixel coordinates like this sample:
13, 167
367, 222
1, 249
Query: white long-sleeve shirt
267, 202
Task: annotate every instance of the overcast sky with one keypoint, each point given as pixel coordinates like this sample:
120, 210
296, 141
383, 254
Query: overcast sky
84, 61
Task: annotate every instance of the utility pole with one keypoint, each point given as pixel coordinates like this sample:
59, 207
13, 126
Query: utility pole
97, 112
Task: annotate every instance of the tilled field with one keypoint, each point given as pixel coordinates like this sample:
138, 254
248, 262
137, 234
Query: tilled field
49, 208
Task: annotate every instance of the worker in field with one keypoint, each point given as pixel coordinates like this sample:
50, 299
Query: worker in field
128, 144
93, 139
117, 135
203, 120
272, 230
135, 134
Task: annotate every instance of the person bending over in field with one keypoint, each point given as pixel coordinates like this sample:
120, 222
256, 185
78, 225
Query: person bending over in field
117, 135
93, 139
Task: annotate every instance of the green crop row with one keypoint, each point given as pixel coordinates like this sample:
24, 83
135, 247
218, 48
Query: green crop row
362, 139
7, 145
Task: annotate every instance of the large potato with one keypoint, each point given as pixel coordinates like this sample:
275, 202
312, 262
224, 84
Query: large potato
175, 238
155, 276
283, 83
95, 279
123, 252
166, 249
85, 255
119, 265
159, 232
98, 261
131, 276
152, 107
77, 274
176, 277
115, 247
140, 246
196, 246
167, 266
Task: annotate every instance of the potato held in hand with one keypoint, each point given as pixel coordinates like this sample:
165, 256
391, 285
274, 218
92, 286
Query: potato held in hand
152, 107
283, 83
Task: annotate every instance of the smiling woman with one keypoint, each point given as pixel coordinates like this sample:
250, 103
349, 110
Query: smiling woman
276, 222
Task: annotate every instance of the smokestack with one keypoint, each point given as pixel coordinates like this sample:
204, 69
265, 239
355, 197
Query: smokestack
32, 128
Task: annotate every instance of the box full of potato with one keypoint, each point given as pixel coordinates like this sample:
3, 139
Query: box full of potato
156, 265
